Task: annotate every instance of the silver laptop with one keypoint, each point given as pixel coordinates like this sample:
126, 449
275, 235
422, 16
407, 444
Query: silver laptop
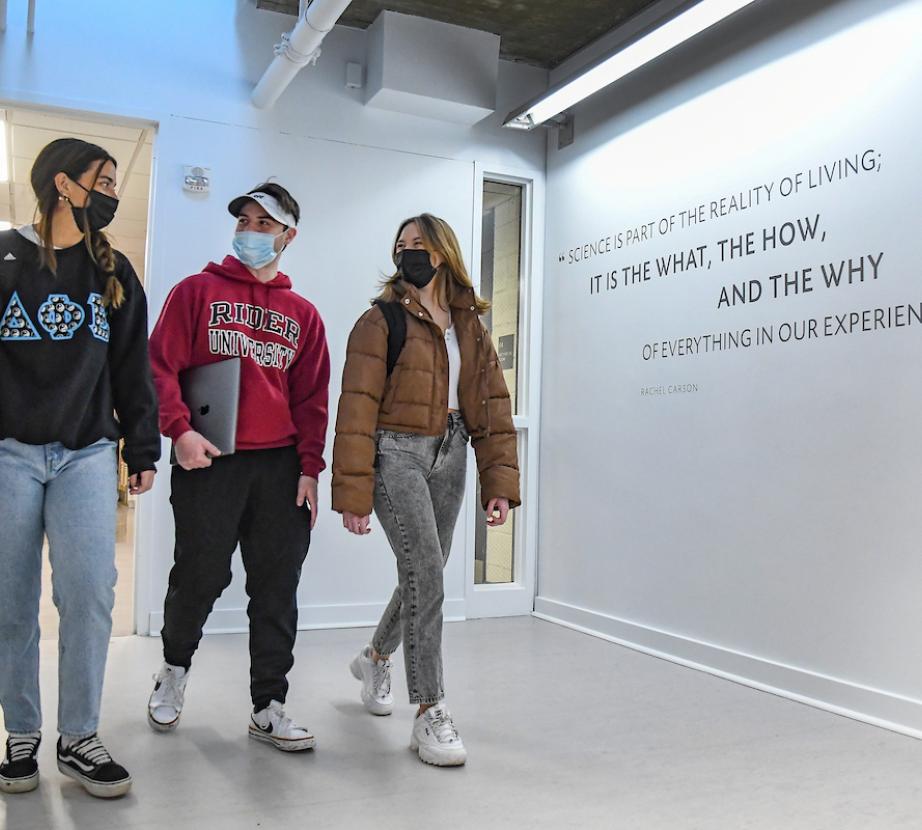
212, 393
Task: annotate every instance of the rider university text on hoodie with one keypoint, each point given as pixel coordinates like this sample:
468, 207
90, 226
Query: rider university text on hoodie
226, 312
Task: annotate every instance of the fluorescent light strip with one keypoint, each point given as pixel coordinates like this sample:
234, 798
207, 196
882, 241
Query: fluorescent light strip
681, 28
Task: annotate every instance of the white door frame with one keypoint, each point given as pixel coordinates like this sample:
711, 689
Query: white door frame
144, 600
518, 597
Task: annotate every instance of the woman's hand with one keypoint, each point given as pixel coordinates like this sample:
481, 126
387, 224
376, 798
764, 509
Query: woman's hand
495, 506
141, 482
359, 525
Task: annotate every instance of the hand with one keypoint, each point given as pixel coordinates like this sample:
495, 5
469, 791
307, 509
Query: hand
307, 491
500, 506
359, 525
141, 482
194, 451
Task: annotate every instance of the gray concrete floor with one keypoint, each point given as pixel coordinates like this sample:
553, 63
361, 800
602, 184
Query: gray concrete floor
563, 730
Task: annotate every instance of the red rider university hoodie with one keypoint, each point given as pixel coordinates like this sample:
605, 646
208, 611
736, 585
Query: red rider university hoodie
226, 312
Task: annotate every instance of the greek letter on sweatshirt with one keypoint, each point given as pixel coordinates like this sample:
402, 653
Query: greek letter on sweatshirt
68, 364
226, 312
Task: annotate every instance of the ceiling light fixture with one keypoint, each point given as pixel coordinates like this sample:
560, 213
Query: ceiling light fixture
611, 68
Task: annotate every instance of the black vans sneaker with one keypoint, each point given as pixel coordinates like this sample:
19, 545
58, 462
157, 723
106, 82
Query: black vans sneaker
19, 770
89, 763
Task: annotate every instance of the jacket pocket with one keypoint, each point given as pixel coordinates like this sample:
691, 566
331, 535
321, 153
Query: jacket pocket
390, 390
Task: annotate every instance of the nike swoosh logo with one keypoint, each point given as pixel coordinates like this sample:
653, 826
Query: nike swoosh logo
266, 729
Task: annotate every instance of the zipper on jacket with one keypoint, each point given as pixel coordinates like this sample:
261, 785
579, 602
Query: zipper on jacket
427, 318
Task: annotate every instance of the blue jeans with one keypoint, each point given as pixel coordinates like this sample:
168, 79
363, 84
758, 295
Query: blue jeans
419, 487
70, 496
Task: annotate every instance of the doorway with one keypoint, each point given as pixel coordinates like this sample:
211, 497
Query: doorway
23, 133
501, 563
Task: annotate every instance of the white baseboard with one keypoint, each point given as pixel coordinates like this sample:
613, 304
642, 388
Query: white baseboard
234, 620
873, 706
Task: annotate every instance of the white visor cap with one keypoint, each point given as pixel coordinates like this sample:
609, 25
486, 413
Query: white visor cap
266, 202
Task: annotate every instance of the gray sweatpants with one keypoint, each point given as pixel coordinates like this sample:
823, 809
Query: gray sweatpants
419, 486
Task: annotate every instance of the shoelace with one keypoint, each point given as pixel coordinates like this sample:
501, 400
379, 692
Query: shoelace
443, 727
168, 694
18, 749
382, 678
91, 750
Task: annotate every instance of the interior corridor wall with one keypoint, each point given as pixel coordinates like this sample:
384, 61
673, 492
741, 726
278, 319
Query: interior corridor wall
189, 68
730, 461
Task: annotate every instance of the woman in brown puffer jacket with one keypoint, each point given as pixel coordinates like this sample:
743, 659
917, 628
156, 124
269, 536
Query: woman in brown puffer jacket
401, 448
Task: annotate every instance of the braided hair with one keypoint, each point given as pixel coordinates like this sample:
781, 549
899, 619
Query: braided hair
74, 157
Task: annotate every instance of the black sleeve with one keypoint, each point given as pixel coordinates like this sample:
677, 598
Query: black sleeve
130, 374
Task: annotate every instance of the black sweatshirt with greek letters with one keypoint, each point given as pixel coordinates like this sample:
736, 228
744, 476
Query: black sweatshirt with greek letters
72, 370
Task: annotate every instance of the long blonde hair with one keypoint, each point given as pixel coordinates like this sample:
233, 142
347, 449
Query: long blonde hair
438, 237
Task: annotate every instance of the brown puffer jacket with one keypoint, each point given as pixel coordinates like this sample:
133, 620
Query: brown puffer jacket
415, 399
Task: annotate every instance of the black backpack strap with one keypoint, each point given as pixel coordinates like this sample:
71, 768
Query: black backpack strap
396, 320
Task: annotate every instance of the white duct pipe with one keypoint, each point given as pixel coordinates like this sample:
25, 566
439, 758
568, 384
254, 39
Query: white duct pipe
298, 48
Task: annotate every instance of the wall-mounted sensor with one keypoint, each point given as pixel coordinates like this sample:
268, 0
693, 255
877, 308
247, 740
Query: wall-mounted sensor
196, 179
354, 76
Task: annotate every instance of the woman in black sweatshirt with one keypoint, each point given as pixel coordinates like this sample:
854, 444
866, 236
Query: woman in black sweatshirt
74, 379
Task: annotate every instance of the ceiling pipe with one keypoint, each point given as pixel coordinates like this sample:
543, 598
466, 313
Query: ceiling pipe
31, 20
298, 48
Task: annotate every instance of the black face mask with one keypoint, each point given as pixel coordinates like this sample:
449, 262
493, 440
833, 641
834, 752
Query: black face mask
99, 210
415, 266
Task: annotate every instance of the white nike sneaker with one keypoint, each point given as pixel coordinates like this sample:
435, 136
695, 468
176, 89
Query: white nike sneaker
436, 739
376, 682
165, 704
274, 727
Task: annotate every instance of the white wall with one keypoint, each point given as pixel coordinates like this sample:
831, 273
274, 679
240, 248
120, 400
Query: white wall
764, 526
189, 67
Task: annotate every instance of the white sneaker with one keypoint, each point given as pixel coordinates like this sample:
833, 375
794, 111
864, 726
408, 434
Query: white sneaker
165, 704
376, 682
272, 726
436, 739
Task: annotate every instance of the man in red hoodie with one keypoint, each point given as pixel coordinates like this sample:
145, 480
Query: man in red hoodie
264, 495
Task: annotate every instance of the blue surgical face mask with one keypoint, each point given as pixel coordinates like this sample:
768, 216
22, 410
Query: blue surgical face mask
255, 249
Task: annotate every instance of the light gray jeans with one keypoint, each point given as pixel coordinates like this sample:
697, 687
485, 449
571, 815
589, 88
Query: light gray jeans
70, 497
419, 487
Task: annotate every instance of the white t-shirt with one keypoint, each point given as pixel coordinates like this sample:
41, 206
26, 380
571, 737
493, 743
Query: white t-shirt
454, 366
